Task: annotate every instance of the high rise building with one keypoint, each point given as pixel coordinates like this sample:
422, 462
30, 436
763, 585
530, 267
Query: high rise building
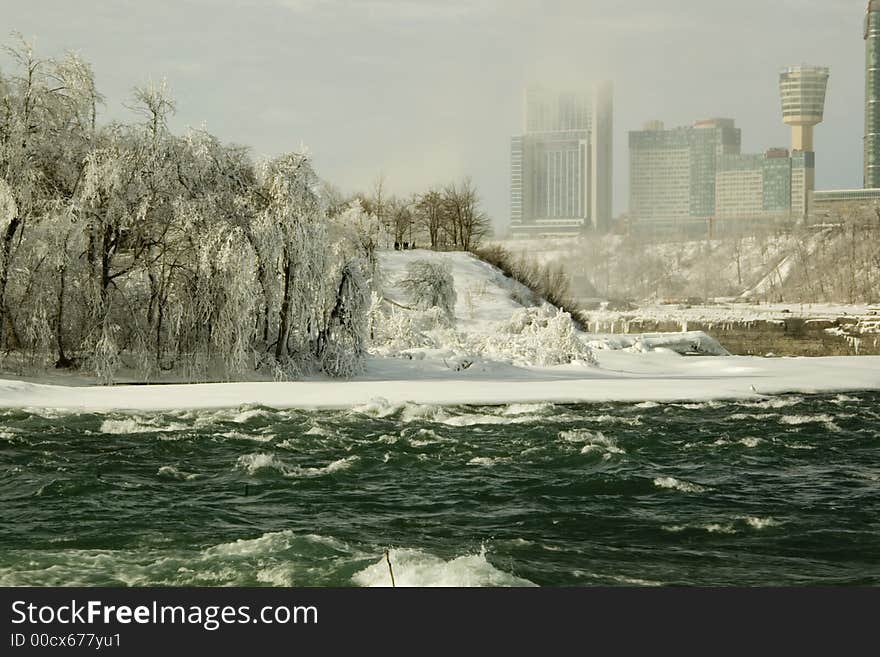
761, 187
695, 179
872, 95
672, 172
560, 167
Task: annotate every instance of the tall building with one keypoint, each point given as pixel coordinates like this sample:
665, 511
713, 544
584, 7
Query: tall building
561, 167
872, 95
696, 179
830, 205
802, 90
758, 187
602, 157
672, 172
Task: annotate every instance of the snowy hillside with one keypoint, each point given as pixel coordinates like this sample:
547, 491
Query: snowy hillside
496, 322
488, 355
485, 297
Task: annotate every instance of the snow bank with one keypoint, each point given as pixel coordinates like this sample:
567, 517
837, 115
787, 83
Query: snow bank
480, 361
624, 376
686, 343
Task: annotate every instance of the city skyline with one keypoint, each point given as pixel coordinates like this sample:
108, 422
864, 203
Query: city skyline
436, 116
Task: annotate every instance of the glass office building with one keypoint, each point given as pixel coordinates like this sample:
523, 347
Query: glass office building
872, 95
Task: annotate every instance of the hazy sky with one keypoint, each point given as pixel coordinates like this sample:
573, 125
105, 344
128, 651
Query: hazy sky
426, 91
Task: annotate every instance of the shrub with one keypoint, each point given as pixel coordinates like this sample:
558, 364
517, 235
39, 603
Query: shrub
430, 285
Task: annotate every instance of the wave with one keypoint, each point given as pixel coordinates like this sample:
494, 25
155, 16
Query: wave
488, 461
138, 425
772, 402
452, 416
254, 463
247, 414
470, 420
238, 435
593, 441
237, 415
418, 568
753, 522
335, 466
634, 581
677, 484
712, 528
756, 522
753, 416
317, 430
378, 407
422, 438
171, 472
526, 409
798, 420
269, 543
617, 419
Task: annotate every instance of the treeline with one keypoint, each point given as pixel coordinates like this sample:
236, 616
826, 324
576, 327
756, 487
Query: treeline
447, 218
840, 264
126, 249
835, 262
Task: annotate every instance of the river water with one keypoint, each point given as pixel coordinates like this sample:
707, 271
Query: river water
778, 491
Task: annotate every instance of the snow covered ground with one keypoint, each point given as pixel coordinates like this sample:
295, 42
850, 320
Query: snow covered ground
483, 359
734, 312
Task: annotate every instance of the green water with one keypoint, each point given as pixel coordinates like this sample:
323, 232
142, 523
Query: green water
778, 491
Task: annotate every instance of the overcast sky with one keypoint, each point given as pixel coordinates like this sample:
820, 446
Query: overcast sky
426, 91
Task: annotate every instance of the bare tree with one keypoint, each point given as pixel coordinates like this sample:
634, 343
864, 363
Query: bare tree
429, 214
465, 222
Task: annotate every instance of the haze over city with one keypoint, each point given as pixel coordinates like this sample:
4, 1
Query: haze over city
424, 92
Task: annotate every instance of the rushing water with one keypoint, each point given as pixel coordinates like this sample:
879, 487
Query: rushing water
784, 490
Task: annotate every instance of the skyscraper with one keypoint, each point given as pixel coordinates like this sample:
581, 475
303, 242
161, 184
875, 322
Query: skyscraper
560, 167
872, 95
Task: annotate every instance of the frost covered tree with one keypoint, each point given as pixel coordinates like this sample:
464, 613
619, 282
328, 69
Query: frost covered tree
47, 115
343, 342
429, 284
292, 238
364, 234
127, 248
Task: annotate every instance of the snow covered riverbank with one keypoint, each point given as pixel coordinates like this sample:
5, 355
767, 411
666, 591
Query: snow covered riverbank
622, 377
482, 359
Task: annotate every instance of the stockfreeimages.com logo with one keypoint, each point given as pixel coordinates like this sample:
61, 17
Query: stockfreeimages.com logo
210, 617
